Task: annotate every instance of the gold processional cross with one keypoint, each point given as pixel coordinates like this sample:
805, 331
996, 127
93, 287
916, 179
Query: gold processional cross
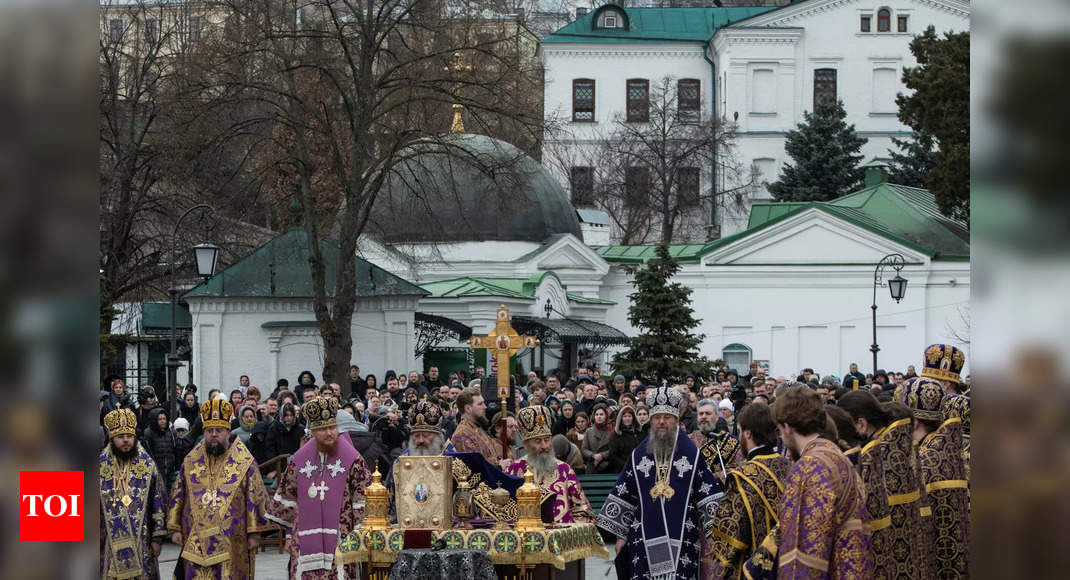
457, 67
503, 342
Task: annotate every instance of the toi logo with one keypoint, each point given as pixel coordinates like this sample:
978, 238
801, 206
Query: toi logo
51, 506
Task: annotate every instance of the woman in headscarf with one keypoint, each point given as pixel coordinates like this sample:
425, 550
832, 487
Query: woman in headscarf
566, 418
246, 421
579, 429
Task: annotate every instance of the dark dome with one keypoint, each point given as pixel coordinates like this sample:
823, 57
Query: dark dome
466, 187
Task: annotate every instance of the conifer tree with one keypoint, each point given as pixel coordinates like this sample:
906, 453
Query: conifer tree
825, 153
661, 310
912, 161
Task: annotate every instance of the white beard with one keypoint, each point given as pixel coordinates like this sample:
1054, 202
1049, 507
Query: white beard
541, 463
433, 448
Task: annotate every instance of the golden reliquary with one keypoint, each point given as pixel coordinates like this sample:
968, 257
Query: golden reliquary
423, 492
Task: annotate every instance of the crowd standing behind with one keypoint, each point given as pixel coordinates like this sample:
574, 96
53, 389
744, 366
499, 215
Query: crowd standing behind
596, 422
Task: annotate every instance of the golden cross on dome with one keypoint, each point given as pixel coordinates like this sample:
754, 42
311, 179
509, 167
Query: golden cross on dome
457, 66
503, 342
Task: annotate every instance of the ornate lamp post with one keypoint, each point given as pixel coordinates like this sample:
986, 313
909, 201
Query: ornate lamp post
897, 287
206, 256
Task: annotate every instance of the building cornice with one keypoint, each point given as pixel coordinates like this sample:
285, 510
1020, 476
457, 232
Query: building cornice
749, 36
627, 52
802, 10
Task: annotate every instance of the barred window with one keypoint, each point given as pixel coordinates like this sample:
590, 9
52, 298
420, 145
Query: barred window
636, 186
638, 100
582, 182
115, 30
688, 98
583, 100
152, 30
687, 186
824, 86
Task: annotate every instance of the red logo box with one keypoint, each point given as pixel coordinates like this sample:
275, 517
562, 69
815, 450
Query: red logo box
51, 506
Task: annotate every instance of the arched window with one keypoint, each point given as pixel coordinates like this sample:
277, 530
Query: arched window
736, 355
610, 19
884, 20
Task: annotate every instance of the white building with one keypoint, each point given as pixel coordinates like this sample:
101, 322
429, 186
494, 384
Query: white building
758, 66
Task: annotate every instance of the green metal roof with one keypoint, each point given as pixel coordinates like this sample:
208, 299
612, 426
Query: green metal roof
685, 253
656, 25
521, 288
157, 316
280, 269
905, 215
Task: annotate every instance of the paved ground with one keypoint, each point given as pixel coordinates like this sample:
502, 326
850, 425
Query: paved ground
270, 565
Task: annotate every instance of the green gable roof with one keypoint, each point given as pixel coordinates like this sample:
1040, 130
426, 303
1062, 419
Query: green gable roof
905, 215
521, 288
656, 25
280, 269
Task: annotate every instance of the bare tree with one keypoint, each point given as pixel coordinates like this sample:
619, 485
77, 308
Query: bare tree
653, 171
347, 94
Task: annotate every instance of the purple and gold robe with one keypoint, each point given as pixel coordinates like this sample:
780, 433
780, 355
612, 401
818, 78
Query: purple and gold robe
944, 476
721, 453
346, 476
126, 531
469, 437
909, 559
571, 503
217, 502
871, 459
747, 513
824, 528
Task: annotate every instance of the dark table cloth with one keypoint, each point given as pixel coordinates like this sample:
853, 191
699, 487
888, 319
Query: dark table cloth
443, 565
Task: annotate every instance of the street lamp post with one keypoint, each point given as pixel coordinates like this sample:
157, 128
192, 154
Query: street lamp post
896, 286
206, 256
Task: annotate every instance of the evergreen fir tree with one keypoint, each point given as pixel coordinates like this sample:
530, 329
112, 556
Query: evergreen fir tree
661, 310
826, 152
913, 160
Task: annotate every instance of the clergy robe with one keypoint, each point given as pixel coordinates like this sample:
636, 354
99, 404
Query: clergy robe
908, 559
571, 503
824, 528
469, 437
217, 502
871, 458
944, 477
721, 453
315, 524
748, 511
126, 531
663, 536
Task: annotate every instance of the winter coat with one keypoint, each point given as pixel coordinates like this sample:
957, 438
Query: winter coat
689, 420
623, 442
160, 443
372, 449
596, 441
282, 440
258, 443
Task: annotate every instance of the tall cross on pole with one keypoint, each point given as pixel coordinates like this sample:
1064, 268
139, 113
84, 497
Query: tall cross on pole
503, 342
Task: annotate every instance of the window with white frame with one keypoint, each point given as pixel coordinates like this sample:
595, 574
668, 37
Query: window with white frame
763, 91
610, 19
885, 85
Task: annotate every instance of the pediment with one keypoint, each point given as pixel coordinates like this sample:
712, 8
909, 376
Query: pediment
569, 253
813, 237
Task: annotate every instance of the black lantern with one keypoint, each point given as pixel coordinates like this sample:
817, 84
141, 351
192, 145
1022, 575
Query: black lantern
898, 287
206, 255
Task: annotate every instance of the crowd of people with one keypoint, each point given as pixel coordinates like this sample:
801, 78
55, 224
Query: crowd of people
752, 432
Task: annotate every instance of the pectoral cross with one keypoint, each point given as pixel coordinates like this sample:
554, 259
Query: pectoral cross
503, 342
321, 489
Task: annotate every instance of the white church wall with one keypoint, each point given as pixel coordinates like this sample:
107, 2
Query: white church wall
229, 340
819, 317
